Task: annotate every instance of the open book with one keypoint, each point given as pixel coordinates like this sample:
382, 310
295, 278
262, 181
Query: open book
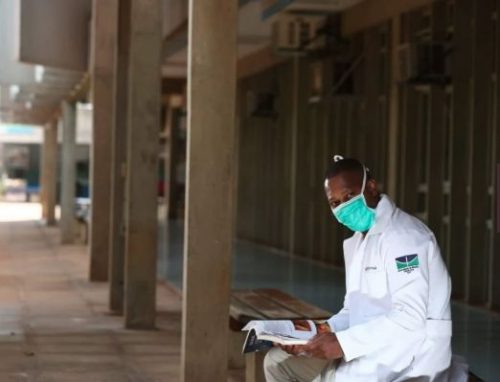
262, 334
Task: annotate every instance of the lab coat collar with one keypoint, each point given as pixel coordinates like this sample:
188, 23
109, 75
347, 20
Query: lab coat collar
383, 214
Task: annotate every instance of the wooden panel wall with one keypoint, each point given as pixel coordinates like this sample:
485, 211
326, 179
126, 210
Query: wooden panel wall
353, 124
462, 78
264, 173
494, 265
448, 145
448, 140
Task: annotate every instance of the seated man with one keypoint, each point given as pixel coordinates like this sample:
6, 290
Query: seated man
396, 323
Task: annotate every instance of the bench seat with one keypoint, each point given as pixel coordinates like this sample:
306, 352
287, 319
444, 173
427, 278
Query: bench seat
262, 304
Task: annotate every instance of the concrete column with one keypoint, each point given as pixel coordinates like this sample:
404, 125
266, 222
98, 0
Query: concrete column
118, 159
173, 149
43, 171
143, 114
68, 175
104, 31
49, 173
209, 197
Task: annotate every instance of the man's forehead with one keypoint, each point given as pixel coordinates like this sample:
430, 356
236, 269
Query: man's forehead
346, 180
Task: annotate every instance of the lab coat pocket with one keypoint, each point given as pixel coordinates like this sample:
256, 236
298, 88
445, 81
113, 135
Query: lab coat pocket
376, 283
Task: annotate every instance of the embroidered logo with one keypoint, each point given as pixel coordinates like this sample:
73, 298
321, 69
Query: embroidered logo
407, 263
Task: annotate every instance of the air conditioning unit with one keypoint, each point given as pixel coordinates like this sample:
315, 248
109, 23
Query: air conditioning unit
298, 33
424, 63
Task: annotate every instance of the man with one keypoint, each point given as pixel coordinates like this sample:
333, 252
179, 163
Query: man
396, 323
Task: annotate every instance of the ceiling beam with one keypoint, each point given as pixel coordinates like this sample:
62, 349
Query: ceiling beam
258, 62
370, 13
175, 41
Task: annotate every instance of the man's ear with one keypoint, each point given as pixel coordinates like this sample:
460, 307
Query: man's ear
372, 187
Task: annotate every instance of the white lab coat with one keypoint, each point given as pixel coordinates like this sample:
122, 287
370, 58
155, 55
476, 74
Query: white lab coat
396, 323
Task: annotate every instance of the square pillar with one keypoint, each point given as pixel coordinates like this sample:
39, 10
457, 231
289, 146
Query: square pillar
104, 31
141, 205
68, 173
49, 173
118, 161
209, 193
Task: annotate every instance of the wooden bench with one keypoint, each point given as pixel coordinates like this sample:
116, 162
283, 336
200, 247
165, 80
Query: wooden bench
262, 304
267, 304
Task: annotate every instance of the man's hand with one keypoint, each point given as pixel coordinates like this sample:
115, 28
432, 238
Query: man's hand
295, 350
324, 345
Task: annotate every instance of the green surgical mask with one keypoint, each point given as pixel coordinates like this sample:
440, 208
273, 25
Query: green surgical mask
355, 213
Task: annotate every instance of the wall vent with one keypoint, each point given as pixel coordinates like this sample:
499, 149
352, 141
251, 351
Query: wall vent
424, 63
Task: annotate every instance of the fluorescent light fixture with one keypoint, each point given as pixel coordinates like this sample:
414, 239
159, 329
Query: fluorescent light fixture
39, 72
85, 106
14, 91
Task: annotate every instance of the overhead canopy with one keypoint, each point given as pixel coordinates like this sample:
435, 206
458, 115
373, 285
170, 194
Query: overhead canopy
254, 34
29, 93
255, 19
271, 8
55, 33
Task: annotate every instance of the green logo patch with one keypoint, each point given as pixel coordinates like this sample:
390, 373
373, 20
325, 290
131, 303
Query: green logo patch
407, 263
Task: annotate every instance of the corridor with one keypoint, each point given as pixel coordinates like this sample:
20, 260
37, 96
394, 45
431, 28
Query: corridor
55, 324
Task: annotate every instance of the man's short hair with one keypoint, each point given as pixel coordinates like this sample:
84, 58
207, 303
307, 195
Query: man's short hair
341, 165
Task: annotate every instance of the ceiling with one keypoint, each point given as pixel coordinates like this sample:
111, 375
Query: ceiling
255, 19
253, 34
29, 94
271, 8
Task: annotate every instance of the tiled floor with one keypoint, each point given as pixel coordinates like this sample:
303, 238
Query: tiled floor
476, 331
55, 325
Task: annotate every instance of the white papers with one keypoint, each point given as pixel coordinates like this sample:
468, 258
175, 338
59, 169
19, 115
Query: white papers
283, 331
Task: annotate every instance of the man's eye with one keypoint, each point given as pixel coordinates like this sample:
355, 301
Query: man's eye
348, 197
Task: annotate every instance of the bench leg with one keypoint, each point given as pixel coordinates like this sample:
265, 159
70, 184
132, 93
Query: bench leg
255, 367
236, 360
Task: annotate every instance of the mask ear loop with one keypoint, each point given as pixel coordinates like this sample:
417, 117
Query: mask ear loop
337, 158
364, 180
